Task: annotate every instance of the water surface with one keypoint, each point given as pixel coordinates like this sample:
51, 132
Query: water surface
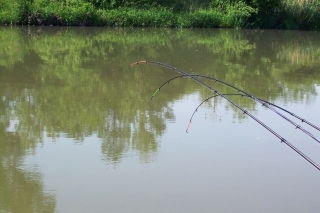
79, 133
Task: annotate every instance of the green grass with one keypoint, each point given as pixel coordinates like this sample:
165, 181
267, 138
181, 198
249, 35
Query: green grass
133, 17
10, 12
289, 14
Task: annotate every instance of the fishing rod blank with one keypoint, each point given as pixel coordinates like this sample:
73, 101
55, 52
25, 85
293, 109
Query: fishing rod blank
238, 89
283, 140
190, 121
257, 100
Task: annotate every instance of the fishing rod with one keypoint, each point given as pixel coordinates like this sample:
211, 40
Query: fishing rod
259, 100
283, 140
190, 121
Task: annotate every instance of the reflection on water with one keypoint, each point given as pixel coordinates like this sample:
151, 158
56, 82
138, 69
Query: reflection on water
63, 87
21, 190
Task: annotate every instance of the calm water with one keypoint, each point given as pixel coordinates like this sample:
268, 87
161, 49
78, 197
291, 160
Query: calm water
79, 133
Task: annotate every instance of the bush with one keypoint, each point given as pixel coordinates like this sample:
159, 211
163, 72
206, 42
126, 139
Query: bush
236, 13
132, 17
300, 15
10, 12
206, 18
267, 15
68, 12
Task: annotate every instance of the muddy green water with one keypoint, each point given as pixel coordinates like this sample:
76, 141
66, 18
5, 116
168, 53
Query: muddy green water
79, 133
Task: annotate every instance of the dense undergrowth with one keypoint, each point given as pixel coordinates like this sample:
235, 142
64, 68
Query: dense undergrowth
285, 14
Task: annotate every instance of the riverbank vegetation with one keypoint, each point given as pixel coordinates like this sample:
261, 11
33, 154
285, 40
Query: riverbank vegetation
284, 14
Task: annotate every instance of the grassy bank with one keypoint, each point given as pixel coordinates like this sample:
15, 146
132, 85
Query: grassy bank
285, 14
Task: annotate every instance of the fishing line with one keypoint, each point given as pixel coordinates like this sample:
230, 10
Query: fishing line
283, 140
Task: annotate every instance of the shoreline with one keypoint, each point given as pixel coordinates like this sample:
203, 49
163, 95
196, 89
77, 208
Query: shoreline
288, 15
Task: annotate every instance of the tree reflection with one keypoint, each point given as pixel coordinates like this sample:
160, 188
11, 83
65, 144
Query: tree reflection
75, 82
20, 190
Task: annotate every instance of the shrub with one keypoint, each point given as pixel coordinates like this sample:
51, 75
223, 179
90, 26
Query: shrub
235, 13
10, 12
68, 12
300, 14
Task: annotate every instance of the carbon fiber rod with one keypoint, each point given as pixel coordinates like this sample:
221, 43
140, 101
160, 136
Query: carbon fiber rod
261, 101
233, 103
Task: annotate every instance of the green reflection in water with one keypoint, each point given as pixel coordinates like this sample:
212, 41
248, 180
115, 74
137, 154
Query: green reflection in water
74, 82
20, 190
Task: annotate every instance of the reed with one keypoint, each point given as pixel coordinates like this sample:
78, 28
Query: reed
301, 14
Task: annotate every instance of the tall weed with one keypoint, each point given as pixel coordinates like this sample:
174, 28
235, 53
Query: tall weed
68, 12
10, 12
301, 14
132, 17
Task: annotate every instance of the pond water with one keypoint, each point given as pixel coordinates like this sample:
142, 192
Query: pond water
79, 132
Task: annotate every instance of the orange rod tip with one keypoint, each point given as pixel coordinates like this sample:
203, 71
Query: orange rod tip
137, 63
